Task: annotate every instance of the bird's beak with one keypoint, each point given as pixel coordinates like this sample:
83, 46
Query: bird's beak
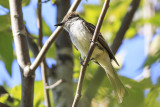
59, 24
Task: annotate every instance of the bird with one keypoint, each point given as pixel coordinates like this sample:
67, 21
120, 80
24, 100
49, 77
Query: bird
81, 33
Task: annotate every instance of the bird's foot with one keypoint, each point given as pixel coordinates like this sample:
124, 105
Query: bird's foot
95, 42
82, 61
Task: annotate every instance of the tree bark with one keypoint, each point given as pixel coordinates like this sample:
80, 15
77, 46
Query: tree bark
63, 93
100, 75
23, 58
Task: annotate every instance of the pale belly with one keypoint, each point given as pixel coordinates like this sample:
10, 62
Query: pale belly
81, 38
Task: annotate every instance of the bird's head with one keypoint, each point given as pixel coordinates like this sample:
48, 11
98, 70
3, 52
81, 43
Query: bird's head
68, 19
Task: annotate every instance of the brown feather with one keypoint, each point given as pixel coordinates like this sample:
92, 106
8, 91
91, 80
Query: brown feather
91, 28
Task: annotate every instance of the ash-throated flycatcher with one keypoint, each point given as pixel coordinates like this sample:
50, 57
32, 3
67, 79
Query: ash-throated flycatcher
81, 33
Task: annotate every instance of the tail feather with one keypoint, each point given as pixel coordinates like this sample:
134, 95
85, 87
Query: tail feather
119, 88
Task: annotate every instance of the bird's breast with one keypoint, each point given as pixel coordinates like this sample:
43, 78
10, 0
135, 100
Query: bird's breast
80, 37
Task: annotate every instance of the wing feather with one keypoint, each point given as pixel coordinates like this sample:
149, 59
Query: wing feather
90, 27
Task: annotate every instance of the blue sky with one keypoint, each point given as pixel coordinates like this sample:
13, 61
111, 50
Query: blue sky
133, 48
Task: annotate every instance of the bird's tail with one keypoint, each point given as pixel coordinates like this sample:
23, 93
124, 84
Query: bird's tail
119, 89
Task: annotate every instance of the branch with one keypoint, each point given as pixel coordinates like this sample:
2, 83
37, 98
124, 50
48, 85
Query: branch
54, 85
39, 22
125, 25
49, 42
119, 37
31, 44
43, 67
92, 46
23, 58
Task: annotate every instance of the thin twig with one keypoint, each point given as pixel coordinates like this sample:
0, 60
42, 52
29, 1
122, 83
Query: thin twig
43, 68
100, 74
54, 85
50, 40
45, 83
92, 46
39, 22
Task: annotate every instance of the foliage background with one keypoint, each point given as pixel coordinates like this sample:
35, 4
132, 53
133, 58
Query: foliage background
138, 55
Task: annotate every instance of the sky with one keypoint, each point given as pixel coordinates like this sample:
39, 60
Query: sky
132, 49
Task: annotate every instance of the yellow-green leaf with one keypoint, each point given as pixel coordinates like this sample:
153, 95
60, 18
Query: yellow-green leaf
6, 50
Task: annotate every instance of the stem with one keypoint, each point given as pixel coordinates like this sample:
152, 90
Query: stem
92, 46
54, 85
43, 68
39, 22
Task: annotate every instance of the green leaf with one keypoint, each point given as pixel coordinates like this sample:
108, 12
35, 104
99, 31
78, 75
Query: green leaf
5, 22
151, 99
152, 20
146, 83
51, 52
4, 97
53, 1
39, 94
46, 29
143, 84
5, 3
130, 32
25, 2
6, 50
155, 19
154, 51
134, 99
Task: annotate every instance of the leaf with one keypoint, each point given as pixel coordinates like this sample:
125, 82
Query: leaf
39, 94
154, 51
46, 29
151, 99
51, 52
5, 22
53, 1
130, 33
5, 3
143, 84
6, 50
152, 20
4, 97
25, 2
134, 99
146, 83
155, 19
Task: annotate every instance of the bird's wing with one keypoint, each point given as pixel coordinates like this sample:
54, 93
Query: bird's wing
75, 47
91, 28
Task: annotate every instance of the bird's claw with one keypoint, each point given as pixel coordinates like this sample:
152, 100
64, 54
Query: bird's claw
81, 61
96, 43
